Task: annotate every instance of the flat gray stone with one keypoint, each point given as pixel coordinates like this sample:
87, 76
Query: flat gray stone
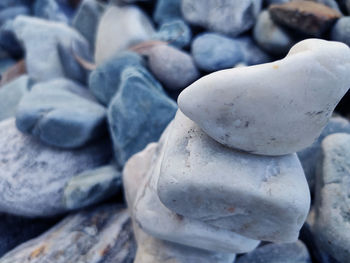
61, 113
99, 235
260, 197
332, 197
33, 176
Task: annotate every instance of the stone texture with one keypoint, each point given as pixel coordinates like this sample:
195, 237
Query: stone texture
175, 32
308, 17
61, 113
99, 235
167, 10
260, 197
11, 12
310, 155
43, 58
120, 28
332, 221
87, 19
104, 81
252, 53
146, 208
174, 68
10, 96
277, 253
299, 91
270, 36
92, 186
50, 10
212, 52
32, 175
229, 17
138, 113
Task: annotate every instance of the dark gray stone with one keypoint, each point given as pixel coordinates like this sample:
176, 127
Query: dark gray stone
87, 18
105, 80
174, 68
12, 12
138, 113
167, 10
8, 40
278, 253
33, 176
99, 235
212, 52
92, 186
10, 96
175, 32
43, 58
12, 3
341, 30
15, 230
61, 113
310, 155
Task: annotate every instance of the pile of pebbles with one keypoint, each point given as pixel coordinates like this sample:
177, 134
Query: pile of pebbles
85, 85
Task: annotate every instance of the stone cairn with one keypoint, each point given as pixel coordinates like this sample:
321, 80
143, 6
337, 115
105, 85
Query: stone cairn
224, 175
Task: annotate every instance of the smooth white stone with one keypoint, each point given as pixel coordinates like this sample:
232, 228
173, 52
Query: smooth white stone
275, 108
260, 197
119, 28
158, 221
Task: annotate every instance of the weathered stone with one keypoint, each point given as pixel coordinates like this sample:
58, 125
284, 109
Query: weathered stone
308, 17
33, 175
92, 186
99, 235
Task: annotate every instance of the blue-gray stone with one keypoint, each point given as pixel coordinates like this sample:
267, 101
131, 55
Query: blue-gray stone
310, 155
174, 68
6, 63
12, 12
50, 10
11, 3
176, 32
212, 52
87, 18
105, 80
252, 54
341, 30
167, 10
10, 96
92, 186
138, 113
270, 36
61, 113
43, 57
278, 253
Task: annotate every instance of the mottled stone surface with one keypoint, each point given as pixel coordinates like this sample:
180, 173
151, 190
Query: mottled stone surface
305, 16
92, 186
260, 197
99, 235
33, 176
332, 218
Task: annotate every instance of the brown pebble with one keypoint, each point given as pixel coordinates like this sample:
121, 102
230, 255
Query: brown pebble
307, 17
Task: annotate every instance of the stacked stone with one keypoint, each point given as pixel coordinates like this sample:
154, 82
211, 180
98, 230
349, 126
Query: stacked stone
225, 174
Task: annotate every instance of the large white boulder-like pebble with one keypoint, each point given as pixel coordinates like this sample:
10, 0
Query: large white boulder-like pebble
119, 28
275, 108
260, 197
